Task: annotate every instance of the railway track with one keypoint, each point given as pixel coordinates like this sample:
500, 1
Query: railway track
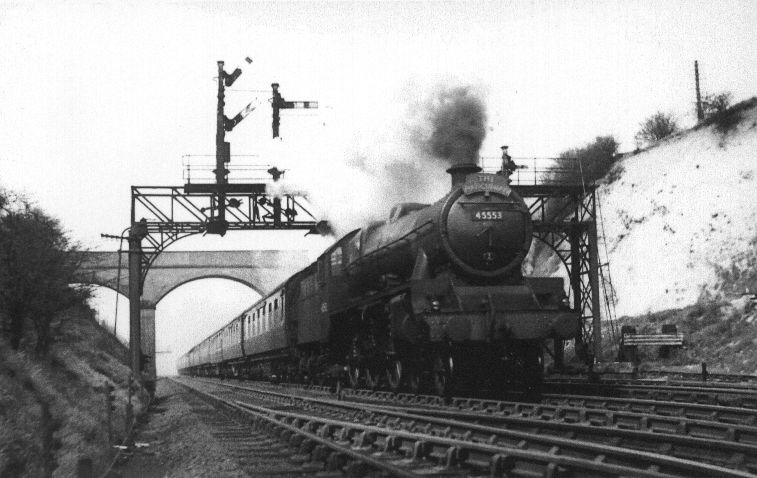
718, 413
720, 393
448, 442
257, 451
674, 376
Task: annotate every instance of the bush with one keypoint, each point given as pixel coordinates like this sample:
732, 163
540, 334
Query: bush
576, 166
715, 104
37, 264
726, 120
590, 162
658, 126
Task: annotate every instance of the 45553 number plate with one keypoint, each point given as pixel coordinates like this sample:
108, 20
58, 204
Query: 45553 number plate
488, 215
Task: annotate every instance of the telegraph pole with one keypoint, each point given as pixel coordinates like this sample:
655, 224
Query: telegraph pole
700, 111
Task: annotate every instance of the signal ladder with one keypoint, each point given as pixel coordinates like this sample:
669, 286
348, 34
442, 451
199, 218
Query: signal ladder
608, 291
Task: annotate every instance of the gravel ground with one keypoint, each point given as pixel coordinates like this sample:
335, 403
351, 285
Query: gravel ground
180, 443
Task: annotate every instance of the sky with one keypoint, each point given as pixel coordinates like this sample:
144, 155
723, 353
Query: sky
96, 97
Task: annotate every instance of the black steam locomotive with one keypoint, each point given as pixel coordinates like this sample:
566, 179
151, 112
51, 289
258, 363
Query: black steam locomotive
433, 298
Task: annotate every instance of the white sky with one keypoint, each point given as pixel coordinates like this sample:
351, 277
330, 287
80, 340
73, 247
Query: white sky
95, 98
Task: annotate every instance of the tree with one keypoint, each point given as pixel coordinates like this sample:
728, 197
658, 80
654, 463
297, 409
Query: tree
658, 126
715, 104
37, 265
590, 162
583, 165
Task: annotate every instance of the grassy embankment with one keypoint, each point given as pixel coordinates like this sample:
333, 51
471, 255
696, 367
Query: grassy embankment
53, 409
721, 329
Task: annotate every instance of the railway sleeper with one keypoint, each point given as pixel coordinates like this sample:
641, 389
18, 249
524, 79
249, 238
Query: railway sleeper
739, 432
478, 458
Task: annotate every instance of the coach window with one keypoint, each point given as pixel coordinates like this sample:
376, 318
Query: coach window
336, 261
322, 264
354, 249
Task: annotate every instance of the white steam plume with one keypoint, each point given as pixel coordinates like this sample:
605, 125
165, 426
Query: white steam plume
356, 175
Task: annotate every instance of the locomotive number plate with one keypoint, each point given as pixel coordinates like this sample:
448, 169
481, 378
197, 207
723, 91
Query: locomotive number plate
488, 215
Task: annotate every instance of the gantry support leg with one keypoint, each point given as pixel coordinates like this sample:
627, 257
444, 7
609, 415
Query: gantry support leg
135, 294
147, 343
575, 285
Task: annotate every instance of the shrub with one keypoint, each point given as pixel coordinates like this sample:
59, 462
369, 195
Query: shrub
582, 165
37, 264
658, 126
590, 162
727, 119
714, 104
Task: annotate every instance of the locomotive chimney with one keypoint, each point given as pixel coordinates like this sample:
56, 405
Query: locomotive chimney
460, 171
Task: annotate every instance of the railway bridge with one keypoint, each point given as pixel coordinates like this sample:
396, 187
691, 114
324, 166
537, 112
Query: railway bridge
261, 270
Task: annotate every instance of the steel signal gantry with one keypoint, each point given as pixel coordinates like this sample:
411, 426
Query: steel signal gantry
169, 213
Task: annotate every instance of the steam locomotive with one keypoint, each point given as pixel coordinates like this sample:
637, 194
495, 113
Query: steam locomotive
433, 299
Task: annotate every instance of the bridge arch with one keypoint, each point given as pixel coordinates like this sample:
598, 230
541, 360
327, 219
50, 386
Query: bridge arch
209, 276
260, 270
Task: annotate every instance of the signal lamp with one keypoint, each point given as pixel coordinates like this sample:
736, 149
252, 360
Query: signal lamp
321, 228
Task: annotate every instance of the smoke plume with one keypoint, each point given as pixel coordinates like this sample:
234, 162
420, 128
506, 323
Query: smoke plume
365, 164
455, 125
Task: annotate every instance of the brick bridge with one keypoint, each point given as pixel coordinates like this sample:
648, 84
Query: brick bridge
260, 270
